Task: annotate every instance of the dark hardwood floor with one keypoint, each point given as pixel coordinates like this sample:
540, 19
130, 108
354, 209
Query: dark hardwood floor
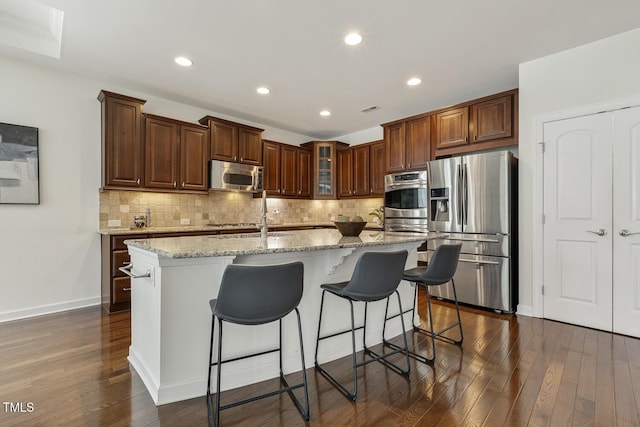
71, 369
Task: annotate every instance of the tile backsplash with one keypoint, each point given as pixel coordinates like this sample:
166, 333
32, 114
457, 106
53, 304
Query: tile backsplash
220, 207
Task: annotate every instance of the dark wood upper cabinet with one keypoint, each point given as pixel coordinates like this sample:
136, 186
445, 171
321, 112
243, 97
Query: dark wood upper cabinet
175, 154
408, 144
224, 141
489, 122
479, 124
289, 175
234, 142
271, 169
287, 170
250, 146
377, 168
395, 147
361, 170
418, 142
361, 167
345, 172
304, 173
122, 144
162, 151
194, 156
453, 128
491, 119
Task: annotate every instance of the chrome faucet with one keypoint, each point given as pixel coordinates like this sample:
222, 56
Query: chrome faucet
263, 213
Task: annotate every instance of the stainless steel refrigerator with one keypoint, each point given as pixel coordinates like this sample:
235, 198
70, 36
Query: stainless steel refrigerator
472, 200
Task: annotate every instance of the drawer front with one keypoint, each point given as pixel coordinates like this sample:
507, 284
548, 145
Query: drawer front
121, 290
118, 259
480, 280
117, 242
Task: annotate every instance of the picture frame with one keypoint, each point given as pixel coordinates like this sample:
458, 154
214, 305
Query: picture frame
19, 160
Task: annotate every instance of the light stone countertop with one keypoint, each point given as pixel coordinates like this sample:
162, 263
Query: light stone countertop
115, 231
276, 242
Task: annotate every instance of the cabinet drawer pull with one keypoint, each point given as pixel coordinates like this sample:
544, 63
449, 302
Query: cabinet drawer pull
126, 289
127, 270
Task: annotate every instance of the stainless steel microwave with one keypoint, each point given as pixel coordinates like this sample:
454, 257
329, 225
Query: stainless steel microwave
234, 176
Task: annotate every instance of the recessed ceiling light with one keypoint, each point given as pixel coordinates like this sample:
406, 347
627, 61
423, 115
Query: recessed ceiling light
184, 61
325, 113
414, 81
353, 39
263, 90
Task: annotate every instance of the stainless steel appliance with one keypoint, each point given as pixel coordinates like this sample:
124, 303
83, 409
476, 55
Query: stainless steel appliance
405, 202
234, 176
473, 200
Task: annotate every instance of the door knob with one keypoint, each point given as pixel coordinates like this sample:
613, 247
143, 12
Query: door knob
624, 232
600, 232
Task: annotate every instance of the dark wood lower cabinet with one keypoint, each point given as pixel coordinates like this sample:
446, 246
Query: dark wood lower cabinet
116, 286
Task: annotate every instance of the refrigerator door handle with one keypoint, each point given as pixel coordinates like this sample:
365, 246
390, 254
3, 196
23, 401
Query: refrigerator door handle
459, 194
473, 261
467, 239
464, 194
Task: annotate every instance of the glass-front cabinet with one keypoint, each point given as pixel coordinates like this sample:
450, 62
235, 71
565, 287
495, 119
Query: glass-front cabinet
324, 168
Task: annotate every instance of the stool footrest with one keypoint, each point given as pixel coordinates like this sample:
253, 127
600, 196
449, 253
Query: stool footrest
416, 356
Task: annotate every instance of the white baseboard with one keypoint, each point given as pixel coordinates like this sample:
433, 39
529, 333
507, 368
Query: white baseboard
8, 316
525, 310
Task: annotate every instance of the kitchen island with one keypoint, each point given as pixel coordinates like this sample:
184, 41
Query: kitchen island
171, 319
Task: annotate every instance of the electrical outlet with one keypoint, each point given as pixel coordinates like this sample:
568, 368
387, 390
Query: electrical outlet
114, 223
333, 218
305, 219
185, 221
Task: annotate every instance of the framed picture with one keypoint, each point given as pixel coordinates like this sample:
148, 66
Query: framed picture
19, 183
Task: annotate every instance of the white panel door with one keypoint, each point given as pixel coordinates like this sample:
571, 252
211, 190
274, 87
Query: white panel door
626, 244
578, 220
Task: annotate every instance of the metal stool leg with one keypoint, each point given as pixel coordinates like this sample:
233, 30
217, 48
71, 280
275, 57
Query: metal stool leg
417, 356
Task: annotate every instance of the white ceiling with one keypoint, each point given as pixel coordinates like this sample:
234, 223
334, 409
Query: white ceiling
461, 49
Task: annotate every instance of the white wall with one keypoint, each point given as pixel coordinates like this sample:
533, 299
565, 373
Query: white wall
581, 78
50, 253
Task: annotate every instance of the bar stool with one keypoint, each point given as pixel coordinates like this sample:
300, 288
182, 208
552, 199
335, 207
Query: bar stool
256, 295
441, 269
376, 276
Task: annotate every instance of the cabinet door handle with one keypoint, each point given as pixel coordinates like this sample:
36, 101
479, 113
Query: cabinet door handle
174, 184
127, 270
242, 159
138, 181
475, 137
466, 139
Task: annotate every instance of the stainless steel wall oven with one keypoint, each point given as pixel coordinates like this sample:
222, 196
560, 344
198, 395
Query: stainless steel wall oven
405, 202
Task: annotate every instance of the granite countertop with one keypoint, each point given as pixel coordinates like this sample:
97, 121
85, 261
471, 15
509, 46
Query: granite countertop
212, 228
277, 241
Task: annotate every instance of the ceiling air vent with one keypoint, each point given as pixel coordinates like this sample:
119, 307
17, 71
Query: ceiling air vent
370, 109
